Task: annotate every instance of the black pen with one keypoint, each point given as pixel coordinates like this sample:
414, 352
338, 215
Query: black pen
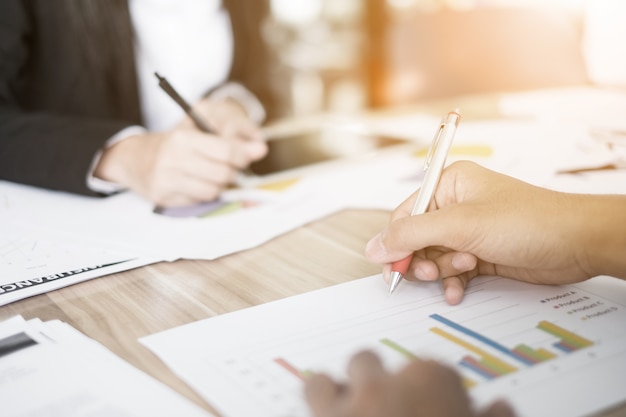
167, 87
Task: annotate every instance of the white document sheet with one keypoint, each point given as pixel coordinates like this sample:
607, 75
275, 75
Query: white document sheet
548, 350
35, 260
51, 370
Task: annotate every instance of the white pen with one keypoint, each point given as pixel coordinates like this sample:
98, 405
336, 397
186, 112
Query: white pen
434, 164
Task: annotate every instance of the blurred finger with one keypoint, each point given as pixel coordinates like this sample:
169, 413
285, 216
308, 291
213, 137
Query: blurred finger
454, 263
423, 270
204, 171
434, 389
386, 272
321, 392
423, 266
365, 367
499, 408
230, 152
243, 129
446, 227
256, 149
180, 190
375, 251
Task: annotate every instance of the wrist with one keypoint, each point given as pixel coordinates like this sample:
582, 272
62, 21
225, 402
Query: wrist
116, 160
97, 183
602, 232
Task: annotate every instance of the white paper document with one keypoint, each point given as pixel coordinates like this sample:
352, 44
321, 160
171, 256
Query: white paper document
49, 369
35, 260
557, 350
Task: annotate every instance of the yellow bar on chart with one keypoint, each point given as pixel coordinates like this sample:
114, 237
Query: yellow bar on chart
281, 185
545, 354
567, 336
505, 367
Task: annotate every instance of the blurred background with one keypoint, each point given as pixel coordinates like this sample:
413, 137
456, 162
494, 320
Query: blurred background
349, 55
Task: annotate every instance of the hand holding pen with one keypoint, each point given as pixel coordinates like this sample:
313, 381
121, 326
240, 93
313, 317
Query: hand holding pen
198, 121
434, 164
184, 165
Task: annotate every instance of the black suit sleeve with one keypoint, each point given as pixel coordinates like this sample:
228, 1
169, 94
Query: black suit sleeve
253, 63
48, 137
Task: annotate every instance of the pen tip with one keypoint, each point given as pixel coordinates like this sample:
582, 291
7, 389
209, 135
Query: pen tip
394, 280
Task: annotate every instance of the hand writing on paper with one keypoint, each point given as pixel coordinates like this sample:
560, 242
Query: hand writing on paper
484, 223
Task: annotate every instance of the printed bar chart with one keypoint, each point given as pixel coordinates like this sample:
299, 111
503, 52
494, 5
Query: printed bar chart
489, 366
492, 363
507, 339
401, 350
290, 368
570, 342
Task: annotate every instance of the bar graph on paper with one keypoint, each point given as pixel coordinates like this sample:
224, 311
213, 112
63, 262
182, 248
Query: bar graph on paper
487, 366
506, 337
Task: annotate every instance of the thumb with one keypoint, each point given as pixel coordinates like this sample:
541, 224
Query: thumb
443, 227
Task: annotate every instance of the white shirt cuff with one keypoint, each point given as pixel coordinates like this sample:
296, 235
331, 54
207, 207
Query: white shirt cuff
106, 187
243, 96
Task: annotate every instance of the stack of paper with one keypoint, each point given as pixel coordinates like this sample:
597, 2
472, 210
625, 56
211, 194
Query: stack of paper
51, 369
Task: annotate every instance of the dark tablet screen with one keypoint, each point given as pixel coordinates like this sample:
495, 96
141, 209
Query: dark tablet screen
309, 148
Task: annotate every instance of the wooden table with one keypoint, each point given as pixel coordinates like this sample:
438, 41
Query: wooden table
118, 309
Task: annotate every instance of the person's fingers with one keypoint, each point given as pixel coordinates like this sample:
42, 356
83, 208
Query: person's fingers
229, 120
243, 129
448, 222
376, 251
183, 192
432, 389
441, 264
447, 227
256, 149
321, 392
183, 144
499, 408
190, 167
197, 173
423, 270
364, 367
445, 195
435, 263
386, 272
454, 288
225, 151
368, 385
419, 375
173, 200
